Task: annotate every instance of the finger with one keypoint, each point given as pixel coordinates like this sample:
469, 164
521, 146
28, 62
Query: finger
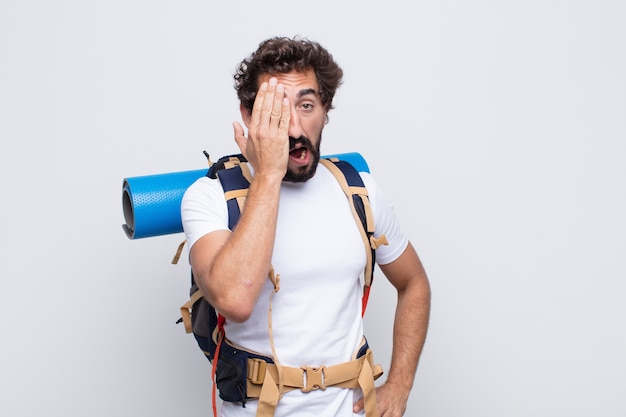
258, 105
277, 105
358, 406
267, 108
285, 116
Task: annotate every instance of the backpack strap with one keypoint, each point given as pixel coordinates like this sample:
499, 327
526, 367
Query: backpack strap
235, 177
352, 185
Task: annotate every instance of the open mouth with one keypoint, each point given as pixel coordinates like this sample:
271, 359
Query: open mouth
299, 153
299, 150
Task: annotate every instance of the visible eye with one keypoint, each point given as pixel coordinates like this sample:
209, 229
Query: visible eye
307, 107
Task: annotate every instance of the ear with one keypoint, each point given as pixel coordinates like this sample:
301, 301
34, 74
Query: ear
245, 115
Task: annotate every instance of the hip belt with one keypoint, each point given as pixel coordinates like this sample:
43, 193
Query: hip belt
267, 381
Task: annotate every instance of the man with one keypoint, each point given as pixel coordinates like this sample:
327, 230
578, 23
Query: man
297, 224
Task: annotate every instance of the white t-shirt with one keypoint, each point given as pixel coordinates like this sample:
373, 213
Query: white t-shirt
320, 257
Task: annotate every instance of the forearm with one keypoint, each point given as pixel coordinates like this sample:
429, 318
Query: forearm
237, 273
409, 335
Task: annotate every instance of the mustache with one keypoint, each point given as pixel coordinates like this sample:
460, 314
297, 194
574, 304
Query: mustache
303, 140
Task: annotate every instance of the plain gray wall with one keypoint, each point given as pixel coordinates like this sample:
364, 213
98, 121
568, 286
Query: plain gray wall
497, 128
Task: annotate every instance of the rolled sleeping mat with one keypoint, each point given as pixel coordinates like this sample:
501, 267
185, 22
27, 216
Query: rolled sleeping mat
151, 203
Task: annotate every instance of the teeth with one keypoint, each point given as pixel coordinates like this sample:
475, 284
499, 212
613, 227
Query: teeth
299, 153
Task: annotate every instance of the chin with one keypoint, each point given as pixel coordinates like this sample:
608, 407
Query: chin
302, 174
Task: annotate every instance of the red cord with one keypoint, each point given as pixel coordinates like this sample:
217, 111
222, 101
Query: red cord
366, 296
220, 338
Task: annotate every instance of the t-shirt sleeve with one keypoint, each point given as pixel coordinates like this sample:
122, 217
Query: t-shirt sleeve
385, 222
203, 209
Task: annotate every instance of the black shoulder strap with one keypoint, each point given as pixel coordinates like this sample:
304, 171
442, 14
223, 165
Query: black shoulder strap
352, 184
235, 177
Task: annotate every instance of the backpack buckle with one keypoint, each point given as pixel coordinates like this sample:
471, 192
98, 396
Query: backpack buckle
256, 370
313, 378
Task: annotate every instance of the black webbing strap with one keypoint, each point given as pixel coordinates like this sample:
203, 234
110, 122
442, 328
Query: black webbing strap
233, 179
354, 180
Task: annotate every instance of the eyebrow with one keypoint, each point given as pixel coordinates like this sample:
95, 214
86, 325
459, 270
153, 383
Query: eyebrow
306, 91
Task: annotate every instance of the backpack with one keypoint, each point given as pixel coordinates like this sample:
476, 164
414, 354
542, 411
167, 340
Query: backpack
204, 322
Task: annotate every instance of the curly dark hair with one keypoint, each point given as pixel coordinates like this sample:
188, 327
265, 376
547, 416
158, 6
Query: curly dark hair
281, 55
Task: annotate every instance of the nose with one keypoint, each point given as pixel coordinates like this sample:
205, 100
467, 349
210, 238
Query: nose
295, 130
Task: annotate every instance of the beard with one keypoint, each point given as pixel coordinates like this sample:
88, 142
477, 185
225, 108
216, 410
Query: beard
305, 173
